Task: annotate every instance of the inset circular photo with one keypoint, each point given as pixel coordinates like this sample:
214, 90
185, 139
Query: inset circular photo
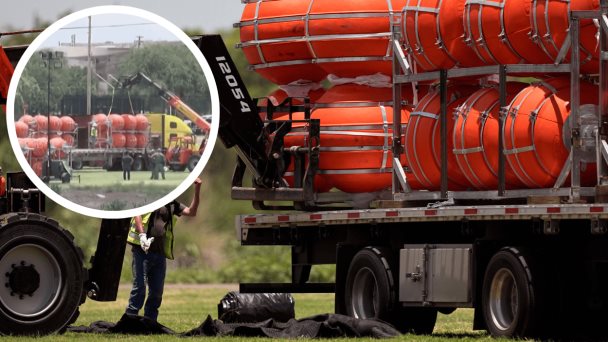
112, 111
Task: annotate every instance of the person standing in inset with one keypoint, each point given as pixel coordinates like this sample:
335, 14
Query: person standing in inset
153, 166
161, 164
151, 238
127, 162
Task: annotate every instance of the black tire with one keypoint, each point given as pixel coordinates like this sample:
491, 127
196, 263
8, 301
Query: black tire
192, 161
65, 177
509, 297
40, 247
77, 164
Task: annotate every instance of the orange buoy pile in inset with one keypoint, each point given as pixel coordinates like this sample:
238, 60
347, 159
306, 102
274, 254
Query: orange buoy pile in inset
305, 40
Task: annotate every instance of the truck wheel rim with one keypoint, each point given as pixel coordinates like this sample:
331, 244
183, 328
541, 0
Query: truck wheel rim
365, 294
503, 299
43, 299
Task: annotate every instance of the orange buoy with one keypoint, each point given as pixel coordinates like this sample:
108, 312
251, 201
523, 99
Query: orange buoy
475, 138
28, 119
41, 122
272, 40
130, 122
142, 140
356, 135
142, 123
37, 167
24, 144
22, 129
423, 139
118, 140
38, 146
352, 38
550, 26
131, 140
55, 123
433, 31
68, 124
69, 139
533, 130
116, 122
57, 144
278, 96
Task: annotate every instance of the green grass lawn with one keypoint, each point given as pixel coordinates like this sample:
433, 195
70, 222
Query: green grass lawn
186, 307
106, 190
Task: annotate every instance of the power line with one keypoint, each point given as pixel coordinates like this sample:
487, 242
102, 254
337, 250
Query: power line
105, 26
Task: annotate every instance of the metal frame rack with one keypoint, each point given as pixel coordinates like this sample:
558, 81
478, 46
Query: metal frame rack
404, 74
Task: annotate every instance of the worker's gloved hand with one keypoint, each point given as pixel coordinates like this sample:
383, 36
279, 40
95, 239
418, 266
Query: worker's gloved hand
144, 242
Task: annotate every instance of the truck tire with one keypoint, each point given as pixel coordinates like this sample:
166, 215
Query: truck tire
370, 287
192, 162
43, 276
77, 164
509, 295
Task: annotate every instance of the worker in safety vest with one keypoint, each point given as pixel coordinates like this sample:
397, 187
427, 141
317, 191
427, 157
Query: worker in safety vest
151, 240
2, 184
93, 133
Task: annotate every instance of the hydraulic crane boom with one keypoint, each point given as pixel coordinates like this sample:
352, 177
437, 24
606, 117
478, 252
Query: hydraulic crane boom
173, 100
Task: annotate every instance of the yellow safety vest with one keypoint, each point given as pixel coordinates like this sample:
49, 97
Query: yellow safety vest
133, 237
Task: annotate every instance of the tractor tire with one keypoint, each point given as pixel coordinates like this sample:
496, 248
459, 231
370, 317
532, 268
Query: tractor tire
43, 276
65, 177
192, 162
77, 164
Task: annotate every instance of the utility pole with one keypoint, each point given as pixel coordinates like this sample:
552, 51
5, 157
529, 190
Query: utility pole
139, 41
89, 71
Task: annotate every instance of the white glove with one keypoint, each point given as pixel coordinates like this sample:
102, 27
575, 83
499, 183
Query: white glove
144, 242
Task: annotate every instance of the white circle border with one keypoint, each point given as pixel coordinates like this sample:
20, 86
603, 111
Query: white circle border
114, 9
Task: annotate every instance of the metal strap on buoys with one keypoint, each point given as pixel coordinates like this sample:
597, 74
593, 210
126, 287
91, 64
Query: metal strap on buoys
423, 139
432, 33
287, 41
484, 25
550, 21
475, 137
356, 138
533, 130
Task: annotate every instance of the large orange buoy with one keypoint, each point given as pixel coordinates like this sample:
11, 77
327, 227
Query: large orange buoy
433, 31
142, 122
22, 129
272, 36
116, 122
130, 122
423, 139
356, 138
533, 130
475, 138
295, 40
69, 139
142, 140
41, 122
551, 24
37, 167
57, 144
55, 123
28, 119
352, 38
131, 141
39, 147
68, 124
118, 140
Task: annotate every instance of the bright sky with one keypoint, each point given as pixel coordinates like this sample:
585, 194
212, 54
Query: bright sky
117, 28
210, 15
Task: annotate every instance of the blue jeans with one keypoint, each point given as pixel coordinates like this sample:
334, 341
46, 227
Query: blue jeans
148, 269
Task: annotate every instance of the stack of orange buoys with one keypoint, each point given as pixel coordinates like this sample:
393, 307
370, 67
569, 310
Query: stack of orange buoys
305, 40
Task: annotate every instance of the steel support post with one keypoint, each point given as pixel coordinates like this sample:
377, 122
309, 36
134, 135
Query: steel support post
502, 100
443, 93
602, 168
397, 70
574, 110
